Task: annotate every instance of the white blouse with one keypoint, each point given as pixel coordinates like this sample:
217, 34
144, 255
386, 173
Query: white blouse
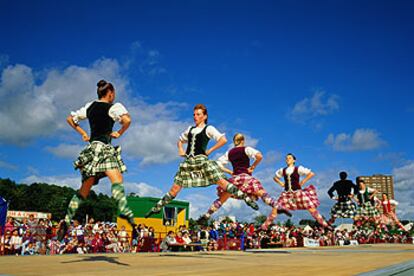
115, 112
301, 170
211, 132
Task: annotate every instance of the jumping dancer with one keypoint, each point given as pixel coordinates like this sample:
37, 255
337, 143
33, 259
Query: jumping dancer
294, 197
344, 207
196, 170
100, 159
366, 203
239, 157
388, 212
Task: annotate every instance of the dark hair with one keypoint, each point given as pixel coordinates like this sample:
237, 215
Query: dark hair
343, 175
361, 181
291, 154
103, 88
203, 108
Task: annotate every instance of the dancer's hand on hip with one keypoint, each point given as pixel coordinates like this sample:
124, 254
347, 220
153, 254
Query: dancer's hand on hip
115, 134
85, 137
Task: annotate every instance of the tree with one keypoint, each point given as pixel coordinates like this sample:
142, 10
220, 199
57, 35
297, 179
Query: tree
309, 222
260, 219
54, 199
288, 223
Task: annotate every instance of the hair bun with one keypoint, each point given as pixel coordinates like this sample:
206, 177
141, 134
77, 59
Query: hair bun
101, 83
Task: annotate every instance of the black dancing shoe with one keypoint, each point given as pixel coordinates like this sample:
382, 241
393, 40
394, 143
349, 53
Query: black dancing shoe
62, 230
285, 212
252, 203
151, 212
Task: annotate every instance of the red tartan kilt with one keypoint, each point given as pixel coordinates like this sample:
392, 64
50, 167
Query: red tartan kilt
389, 218
245, 183
303, 199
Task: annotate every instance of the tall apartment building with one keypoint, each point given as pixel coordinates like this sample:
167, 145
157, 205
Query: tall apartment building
381, 183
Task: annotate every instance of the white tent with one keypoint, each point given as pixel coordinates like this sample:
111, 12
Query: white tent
345, 226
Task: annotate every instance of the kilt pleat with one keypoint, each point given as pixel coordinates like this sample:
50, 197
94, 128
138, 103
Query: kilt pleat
245, 183
97, 158
303, 199
388, 218
367, 210
344, 209
198, 172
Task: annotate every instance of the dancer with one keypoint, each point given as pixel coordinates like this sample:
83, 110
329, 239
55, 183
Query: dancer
344, 207
239, 157
100, 159
196, 170
294, 197
388, 212
366, 203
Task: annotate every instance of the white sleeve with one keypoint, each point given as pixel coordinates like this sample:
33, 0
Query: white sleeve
251, 152
223, 160
303, 171
80, 114
393, 202
279, 173
184, 135
116, 111
212, 132
370, 190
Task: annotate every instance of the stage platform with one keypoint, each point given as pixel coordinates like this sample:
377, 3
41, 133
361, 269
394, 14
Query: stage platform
385, 259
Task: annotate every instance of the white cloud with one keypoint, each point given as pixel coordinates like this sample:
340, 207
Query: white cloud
68, 151
318, 105
272, 157
360, 140
200, 202
404, 177
142, 189
63, 180
7, 165
154, 133
34, 108
403, 188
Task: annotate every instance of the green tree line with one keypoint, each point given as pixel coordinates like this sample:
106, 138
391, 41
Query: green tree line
54, 199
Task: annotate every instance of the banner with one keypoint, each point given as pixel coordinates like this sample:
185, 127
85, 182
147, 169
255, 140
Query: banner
24, 214
310, 242
3, 211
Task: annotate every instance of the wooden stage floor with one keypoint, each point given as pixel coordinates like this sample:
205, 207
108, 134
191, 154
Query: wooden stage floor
349, 260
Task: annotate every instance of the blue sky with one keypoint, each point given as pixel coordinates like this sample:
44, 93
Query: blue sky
331, 81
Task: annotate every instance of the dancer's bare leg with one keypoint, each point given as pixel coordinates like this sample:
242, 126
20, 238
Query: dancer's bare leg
167, 198
232, 189
217, 204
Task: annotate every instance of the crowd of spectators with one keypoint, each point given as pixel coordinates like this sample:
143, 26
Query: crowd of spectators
37, 236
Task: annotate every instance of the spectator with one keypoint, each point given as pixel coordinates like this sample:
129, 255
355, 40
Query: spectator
168, 241
203, 235
27, 238
15, 242
9, 226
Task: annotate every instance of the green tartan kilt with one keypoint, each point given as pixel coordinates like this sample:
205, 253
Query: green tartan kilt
97, 158
367, 209
344, 209
198, 172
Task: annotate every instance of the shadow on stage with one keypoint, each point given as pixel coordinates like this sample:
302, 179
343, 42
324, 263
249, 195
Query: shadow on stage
112, 260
